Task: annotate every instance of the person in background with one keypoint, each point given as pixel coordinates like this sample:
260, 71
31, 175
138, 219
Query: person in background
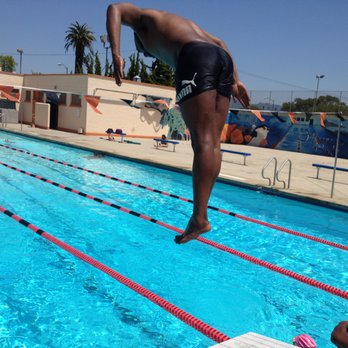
339, 335
187, 134
163, 141
206, 76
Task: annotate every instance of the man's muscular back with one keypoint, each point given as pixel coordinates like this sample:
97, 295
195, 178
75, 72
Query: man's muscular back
161, 33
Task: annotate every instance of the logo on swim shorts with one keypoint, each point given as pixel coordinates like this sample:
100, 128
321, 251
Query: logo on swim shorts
186, 90
186, 82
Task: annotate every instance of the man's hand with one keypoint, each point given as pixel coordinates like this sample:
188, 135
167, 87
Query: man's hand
339, 335
240, 93
118, 69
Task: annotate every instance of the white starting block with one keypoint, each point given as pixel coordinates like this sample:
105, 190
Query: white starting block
252, 340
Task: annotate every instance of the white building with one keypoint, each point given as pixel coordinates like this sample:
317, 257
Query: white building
56, 101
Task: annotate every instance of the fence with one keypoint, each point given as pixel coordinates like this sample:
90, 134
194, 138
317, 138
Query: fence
274, 100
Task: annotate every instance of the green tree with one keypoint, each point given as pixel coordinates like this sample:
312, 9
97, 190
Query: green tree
144, 75
328, 103
98, 69
89, 63
111, 70
325, 103
79, 37
107, 64
7, 63
162, 74
138, 68
134, 69
304, 105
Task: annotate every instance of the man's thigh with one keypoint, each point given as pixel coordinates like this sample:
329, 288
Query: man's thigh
205, 112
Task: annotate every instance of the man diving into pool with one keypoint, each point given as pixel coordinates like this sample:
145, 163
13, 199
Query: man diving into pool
205, 79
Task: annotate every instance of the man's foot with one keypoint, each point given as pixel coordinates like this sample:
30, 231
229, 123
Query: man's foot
193, 231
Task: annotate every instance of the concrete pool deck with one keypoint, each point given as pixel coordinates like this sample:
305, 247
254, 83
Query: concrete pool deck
303, 184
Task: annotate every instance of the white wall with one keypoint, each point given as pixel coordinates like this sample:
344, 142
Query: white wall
118, 114
115, 112
9, 116
42, 115
10, 79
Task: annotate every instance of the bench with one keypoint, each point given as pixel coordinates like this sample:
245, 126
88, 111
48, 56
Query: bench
160, 141
244, 154
119, 132
325, 166
122, 135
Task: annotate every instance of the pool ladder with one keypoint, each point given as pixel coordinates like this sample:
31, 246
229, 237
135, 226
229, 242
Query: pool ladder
3, 119
276, 172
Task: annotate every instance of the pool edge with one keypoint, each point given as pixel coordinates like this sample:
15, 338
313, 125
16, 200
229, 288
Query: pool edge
263, 189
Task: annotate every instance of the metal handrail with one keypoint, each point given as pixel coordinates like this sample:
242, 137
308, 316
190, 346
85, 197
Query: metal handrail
3, 119
275, 170
289, 175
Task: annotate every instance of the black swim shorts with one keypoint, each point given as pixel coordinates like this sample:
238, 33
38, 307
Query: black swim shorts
201, 67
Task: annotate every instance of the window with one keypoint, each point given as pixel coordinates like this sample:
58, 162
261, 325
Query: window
75, 100
15, 92
62, 99
28, 96
38, 96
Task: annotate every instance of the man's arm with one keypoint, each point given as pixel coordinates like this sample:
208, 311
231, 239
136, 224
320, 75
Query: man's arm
118, 14
239, 91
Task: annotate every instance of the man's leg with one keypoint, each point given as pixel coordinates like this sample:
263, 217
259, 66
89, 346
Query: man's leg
205, 116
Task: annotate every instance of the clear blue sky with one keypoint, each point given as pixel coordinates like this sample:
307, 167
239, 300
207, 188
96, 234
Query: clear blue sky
276, 44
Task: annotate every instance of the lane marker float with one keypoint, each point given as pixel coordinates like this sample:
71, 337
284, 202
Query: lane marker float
187, 318
309, 281
223, 211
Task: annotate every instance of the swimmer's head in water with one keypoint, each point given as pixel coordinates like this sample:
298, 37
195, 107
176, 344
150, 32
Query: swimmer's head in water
140, 47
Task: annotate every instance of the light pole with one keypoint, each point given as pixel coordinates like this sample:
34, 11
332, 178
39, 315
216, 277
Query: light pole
20, 51
318, 77
104, 39
66, 68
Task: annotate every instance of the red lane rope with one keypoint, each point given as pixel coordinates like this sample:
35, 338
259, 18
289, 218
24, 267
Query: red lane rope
187, 318
223, 211
256, 261
295, 233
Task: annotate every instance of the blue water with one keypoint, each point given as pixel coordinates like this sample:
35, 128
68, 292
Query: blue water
48, 298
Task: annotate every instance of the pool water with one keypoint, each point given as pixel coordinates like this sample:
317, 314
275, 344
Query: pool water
49, 298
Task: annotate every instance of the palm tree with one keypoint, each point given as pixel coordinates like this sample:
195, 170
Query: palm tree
79, 37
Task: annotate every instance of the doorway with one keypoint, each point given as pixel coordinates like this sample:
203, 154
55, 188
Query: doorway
53, 100
54, 116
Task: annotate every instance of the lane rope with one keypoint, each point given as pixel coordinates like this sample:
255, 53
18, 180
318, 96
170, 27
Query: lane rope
187, 318
309, 281
220, 210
